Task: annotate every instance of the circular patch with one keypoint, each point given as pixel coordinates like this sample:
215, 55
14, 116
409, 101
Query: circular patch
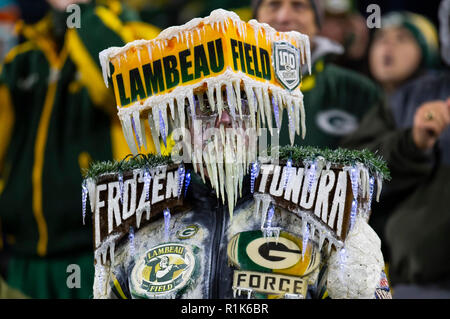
187, 232
337, 122
163, 270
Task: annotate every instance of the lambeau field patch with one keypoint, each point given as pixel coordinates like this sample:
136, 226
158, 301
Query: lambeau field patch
163, 270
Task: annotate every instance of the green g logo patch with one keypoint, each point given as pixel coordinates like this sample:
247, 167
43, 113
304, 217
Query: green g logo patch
272, 265
187, 232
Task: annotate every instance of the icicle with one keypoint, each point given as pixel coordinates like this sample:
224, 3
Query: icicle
138, 54
162, 127
181, 174
276, 112
305, 236
131, 241
210, 94
220, 160
137, 129
303, 119
379, 186
267, 109
218, 88
251, 104
296, 111
354, 176
127, 132
154, 132
84, 194
222, 177
190, 97
166, 223
353, 213
187, 182
149, 49
213, 163
371, 188
172, 109
279, 98
288, 172
257, 205
260, 99
313, 231
112, 249
237, 92
121, 188
147, 178
231, 100
291, 119
253, 175
181, 110
265, 207
312, 176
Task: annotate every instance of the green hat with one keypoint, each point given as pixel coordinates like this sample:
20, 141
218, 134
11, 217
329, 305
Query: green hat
423, 31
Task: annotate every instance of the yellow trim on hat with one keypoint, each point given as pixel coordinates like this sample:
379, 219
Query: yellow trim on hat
426, 28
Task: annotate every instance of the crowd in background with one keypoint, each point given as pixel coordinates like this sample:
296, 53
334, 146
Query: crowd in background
386, 89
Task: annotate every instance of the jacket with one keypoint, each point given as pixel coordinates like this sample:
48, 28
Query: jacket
218, 246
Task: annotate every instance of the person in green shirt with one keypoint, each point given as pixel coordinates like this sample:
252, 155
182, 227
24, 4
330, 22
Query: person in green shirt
57, 116
335, 98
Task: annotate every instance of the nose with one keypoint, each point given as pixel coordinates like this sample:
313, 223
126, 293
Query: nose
284, 15
225, 120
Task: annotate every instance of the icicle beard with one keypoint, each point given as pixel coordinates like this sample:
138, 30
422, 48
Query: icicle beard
227, 157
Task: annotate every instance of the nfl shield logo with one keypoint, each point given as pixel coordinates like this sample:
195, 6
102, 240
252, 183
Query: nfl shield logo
287, 64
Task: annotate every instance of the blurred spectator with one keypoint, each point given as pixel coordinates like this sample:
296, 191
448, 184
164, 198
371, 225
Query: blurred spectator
404, 48
412, 133
9, 14
345, 25
444, 30
56, 117
167, 13
335, 99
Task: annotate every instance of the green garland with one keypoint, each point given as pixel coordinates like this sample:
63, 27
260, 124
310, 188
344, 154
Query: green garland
129, 163
298, 154
345, 157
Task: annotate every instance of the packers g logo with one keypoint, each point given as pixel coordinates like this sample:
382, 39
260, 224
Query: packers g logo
252, 251
269, 253
162, 270
287, 64
187, 232
272, 266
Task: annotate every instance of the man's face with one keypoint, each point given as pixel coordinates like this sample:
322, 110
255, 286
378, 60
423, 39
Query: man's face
288, 15
394, 56
212, 126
